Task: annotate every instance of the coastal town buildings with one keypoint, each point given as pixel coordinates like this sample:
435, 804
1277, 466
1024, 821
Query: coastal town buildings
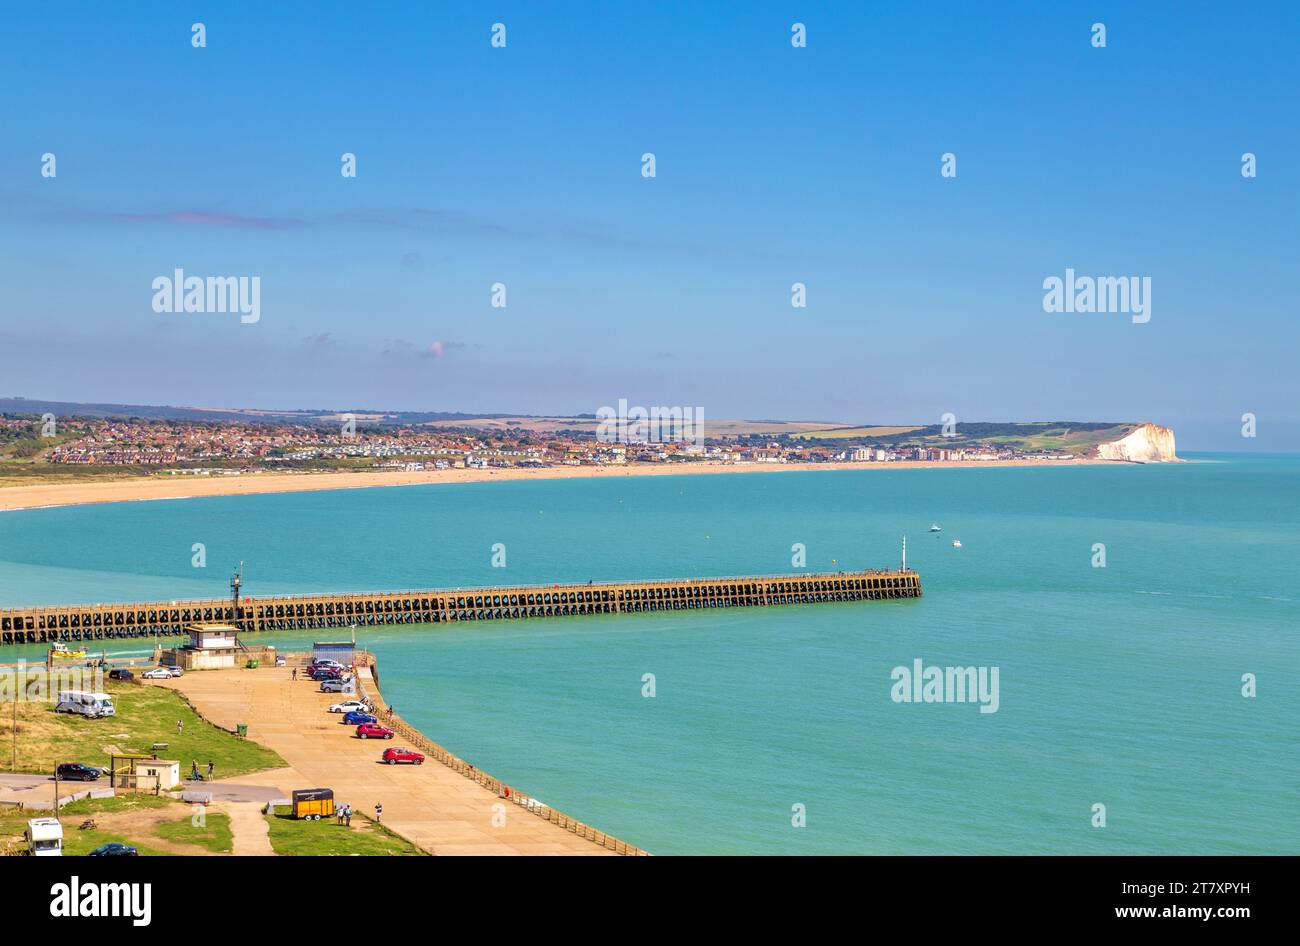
216, 448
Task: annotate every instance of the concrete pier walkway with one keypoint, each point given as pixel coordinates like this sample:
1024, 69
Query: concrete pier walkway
438, 809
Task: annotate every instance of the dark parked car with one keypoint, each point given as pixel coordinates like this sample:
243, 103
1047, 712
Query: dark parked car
76, 772
326, 673
114, 849
356, 719
121, 675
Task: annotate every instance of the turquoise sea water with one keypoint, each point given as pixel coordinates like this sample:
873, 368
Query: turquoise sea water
1118, 685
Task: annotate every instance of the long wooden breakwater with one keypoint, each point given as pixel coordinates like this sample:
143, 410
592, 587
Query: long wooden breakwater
92, 622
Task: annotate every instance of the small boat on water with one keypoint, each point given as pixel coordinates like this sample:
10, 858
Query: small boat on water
956, 543
60, 649
934, 527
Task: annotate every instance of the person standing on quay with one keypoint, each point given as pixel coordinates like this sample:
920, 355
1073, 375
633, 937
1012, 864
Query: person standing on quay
379, 812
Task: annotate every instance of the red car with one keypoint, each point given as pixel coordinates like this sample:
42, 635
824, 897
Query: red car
394, 756
374, 731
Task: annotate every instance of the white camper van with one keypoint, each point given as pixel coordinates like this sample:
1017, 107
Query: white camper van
44, 837
85, 703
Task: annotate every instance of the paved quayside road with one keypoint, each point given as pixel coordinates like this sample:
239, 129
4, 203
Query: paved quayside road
434, 807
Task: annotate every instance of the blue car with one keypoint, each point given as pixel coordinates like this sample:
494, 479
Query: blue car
114, 849
356, 719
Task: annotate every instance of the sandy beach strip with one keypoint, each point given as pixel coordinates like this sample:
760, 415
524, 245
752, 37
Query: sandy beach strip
188, 486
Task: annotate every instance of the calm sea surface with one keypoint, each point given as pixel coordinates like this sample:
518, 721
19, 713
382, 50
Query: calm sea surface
1118, 685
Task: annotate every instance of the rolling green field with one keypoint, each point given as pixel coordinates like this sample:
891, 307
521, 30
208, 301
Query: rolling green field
854, 433
1077, 439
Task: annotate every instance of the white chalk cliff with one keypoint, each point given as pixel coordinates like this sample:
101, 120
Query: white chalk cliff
1146, 443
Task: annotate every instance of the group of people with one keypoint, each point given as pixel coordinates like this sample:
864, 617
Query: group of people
343, 813
194, 771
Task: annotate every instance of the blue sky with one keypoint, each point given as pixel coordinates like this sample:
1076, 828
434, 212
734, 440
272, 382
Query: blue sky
774, 165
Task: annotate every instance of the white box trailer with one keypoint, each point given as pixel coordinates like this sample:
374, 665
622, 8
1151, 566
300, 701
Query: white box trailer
44, 837
85, 703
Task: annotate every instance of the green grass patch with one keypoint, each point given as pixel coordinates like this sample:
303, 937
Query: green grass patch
77, 843
326, 838
214, 834
145, 715
13, 823
89, 807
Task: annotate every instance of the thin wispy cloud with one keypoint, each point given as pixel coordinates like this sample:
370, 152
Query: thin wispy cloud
201, 218
428, 221
439, 348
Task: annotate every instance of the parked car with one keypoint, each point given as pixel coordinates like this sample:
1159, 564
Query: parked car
114, 849
373, 731
76, 772
175, 671
394, 756
348, 706
327, 673
356, 719
341, 685
157, 673
120, 674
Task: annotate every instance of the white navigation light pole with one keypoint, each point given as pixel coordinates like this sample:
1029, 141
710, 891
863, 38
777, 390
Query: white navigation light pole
904, 567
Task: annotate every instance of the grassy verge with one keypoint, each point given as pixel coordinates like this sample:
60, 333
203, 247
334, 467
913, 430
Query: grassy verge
89, 807
214, 834
77, 842
145, 715
327, 838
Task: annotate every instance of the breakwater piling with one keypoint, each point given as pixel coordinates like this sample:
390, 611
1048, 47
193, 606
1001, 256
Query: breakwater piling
94, 622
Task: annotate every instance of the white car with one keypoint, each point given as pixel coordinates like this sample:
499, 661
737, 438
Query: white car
174, 671
157, 673
351, 706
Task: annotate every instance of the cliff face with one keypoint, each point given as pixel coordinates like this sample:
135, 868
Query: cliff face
1146, 443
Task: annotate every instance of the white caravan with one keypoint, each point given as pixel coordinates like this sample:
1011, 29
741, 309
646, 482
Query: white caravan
85, 703
44, 837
